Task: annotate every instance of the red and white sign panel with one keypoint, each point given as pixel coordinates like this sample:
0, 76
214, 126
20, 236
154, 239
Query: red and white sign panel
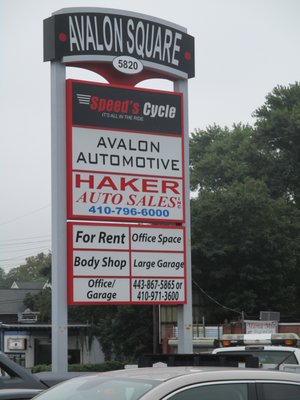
125, 154
126, 264
127, 197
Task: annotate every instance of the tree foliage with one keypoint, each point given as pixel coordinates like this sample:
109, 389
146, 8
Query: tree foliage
36, 268
245, 249
245, 220
125, 332
219, 157
2, 278
41, 303
278, 139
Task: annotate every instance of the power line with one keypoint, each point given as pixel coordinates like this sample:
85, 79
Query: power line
25, 215
24, 243
216, 301
27, 249
26, 238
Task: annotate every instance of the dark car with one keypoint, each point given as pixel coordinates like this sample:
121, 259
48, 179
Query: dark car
18, 394
13, 376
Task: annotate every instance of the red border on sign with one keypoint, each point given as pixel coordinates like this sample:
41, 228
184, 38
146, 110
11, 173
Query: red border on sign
71, 276
70, 211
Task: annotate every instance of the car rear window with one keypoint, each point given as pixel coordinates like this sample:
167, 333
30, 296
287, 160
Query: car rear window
280, 391
214, 391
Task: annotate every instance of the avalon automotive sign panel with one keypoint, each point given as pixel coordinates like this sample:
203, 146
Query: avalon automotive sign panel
125, 154
122, 263
138, 154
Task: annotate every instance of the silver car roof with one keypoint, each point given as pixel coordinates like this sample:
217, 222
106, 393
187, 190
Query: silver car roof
201, 374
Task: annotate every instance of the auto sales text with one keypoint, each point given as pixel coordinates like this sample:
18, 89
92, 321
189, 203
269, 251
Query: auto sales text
140, 191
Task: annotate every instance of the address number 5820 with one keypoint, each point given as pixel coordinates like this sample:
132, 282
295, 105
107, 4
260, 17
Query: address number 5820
128, 65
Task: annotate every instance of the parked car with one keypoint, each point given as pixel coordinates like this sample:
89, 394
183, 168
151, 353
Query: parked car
13, 376
18, 394
179, 383
272, 356
272, 351
268, 339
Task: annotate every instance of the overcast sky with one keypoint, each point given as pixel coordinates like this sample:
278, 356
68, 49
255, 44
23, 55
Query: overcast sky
243, 48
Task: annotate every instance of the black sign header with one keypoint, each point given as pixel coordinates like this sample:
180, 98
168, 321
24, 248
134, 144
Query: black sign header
137, 110
110, 35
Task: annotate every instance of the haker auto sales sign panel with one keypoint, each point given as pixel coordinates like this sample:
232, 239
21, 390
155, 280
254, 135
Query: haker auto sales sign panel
125, 153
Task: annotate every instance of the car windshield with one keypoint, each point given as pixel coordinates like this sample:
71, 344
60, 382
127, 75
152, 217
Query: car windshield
269, 357
98, 388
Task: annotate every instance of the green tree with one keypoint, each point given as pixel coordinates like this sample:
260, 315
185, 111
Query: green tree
277, 135
127, 332
40, 303
245, 250
219, 157
3, 283
36, 268
245, 220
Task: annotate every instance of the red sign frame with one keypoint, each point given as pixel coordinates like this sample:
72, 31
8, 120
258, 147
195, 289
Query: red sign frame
142, 250
148, 196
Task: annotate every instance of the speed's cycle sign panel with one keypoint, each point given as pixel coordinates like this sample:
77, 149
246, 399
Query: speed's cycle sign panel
124, 154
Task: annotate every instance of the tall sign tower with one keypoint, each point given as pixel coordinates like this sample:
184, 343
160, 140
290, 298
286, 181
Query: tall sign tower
120, 171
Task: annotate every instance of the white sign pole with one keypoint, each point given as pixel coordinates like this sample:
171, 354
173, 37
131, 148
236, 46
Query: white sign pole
59, 239
60, 50
185, 311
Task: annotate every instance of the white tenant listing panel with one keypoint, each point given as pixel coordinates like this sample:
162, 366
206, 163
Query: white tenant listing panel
126, 264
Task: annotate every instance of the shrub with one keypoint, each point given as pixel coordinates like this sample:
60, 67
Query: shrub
106, 366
